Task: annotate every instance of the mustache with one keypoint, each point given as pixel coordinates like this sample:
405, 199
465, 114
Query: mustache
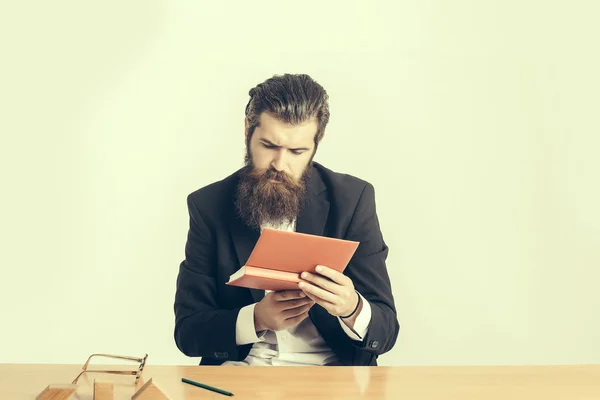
280, 176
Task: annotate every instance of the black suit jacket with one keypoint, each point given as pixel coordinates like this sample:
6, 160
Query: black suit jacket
219, 243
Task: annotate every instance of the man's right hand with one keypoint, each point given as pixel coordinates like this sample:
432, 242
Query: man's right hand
280, 310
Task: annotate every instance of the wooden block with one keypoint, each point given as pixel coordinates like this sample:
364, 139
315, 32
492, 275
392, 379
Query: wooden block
103, 390
57, 392
149, 392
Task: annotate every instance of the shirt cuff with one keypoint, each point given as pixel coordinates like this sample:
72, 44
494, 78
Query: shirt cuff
245, 331
361, 324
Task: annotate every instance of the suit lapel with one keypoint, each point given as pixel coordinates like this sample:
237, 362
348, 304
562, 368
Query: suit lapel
244, 239
313, 216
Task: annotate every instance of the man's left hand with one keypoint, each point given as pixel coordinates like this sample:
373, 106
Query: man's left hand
331, 289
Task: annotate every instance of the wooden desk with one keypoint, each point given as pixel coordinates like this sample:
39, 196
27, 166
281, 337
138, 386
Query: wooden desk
23, 381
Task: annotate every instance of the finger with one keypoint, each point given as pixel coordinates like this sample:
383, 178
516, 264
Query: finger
329, 307
315, 291
322, 282
334, 275
294, 312
286, 295
295, 303
297, 319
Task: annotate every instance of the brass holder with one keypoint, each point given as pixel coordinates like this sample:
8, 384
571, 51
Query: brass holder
149, 391
103, 390
57, 392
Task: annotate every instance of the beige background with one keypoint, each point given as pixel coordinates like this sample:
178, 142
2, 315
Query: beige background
476, 121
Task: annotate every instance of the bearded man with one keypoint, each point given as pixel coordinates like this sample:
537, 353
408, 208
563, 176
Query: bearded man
333, 318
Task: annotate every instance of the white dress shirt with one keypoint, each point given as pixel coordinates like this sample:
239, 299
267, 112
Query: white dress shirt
297, 345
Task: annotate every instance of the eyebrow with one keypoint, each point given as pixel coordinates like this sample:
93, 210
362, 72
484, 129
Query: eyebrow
265, 141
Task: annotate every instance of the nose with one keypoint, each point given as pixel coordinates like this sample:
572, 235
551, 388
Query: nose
278, 161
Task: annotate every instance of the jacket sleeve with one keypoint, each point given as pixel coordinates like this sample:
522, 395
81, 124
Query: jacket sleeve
202, 329
368, 272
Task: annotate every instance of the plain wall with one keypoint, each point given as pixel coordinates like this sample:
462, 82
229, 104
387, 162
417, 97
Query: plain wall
476, 121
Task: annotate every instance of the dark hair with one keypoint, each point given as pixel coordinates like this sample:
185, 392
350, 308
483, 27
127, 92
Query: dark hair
291, 98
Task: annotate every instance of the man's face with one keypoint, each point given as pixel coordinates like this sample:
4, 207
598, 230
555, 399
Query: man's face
272, 187
281, 147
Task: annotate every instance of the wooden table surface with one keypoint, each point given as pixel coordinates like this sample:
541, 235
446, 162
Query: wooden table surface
26, 381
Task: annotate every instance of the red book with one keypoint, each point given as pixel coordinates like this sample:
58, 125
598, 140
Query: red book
279, 257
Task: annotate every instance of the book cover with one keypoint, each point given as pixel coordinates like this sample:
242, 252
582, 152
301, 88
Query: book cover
279, 257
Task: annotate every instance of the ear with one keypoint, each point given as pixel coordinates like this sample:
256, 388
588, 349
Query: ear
245, 128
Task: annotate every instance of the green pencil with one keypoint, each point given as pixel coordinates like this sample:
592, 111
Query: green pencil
202, 385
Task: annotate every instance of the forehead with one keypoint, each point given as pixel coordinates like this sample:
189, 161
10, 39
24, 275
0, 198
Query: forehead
282, 134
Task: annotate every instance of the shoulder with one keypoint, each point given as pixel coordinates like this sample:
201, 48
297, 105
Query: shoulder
342, 185
353, 200
211, 197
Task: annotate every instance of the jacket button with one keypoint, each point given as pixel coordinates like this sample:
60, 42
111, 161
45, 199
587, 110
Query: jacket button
373, 344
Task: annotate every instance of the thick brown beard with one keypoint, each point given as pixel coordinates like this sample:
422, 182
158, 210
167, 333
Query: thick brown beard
260, 201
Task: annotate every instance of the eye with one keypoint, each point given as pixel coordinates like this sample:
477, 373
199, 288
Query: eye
268, 146
297, 152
